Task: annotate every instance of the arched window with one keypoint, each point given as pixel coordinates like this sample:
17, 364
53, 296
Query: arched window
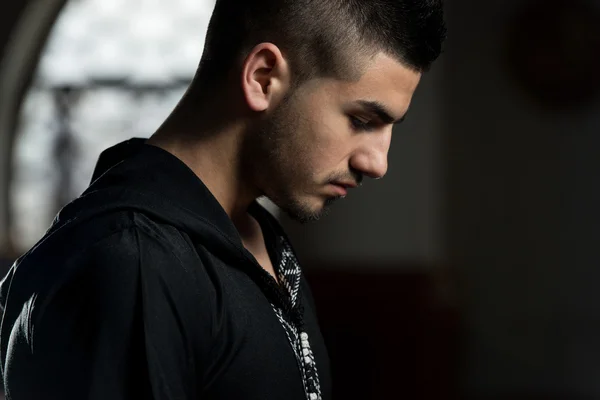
110, 70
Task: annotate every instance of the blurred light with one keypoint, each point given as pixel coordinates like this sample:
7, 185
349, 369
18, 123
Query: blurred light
143, 43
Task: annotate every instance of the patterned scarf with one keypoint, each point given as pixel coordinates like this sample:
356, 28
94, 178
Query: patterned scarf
289, 273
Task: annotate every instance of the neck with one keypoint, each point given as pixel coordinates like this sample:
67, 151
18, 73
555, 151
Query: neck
214, 154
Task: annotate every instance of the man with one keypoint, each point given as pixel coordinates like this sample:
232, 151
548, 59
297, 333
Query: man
165, 279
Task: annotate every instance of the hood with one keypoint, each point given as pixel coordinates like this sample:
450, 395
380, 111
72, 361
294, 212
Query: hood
137, 176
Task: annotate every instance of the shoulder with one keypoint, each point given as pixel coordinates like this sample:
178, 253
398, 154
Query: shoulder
115, 236
134, 263
116, 248
161, 256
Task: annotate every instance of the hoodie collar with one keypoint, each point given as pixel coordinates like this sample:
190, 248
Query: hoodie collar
137, 166
135, 175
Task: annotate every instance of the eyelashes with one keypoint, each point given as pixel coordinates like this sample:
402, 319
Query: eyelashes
360, 125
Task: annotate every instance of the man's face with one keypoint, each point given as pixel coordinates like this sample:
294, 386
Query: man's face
327, 134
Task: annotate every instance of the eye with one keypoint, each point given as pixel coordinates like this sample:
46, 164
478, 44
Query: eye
361, 125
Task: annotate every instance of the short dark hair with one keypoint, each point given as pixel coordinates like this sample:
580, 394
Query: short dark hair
324, 37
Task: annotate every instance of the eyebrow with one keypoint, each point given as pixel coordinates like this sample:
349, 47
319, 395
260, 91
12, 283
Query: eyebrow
380, 110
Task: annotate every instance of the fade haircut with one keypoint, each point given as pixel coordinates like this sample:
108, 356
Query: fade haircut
323, 38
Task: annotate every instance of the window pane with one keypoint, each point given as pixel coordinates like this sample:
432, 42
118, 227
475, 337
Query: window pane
125, 63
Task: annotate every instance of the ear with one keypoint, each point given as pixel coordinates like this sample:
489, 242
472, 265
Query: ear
265, 77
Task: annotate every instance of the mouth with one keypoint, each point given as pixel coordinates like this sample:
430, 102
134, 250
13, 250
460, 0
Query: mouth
341, 188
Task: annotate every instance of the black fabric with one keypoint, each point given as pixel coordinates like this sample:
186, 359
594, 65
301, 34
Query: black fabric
142, 289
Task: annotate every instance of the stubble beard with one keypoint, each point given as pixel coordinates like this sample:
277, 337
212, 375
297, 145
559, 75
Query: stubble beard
279, 164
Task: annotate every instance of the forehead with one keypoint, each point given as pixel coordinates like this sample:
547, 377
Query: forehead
384, 80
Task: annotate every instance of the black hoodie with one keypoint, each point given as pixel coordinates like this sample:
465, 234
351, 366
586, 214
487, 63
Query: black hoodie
142, 289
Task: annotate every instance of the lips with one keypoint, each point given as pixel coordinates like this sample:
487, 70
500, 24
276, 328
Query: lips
341, 188
346, 185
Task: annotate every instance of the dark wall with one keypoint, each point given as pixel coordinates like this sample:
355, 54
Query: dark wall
9, 14
523, 222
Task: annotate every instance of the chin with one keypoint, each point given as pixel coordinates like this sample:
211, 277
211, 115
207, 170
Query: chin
304, 217
305, 212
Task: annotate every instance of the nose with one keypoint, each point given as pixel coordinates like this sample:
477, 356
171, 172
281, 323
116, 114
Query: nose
371, 158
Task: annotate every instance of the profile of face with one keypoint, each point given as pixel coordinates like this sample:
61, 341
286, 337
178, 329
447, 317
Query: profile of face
325, 135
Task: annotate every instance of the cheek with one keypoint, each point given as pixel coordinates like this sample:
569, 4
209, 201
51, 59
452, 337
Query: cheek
319, 144
331, 140
321, 139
